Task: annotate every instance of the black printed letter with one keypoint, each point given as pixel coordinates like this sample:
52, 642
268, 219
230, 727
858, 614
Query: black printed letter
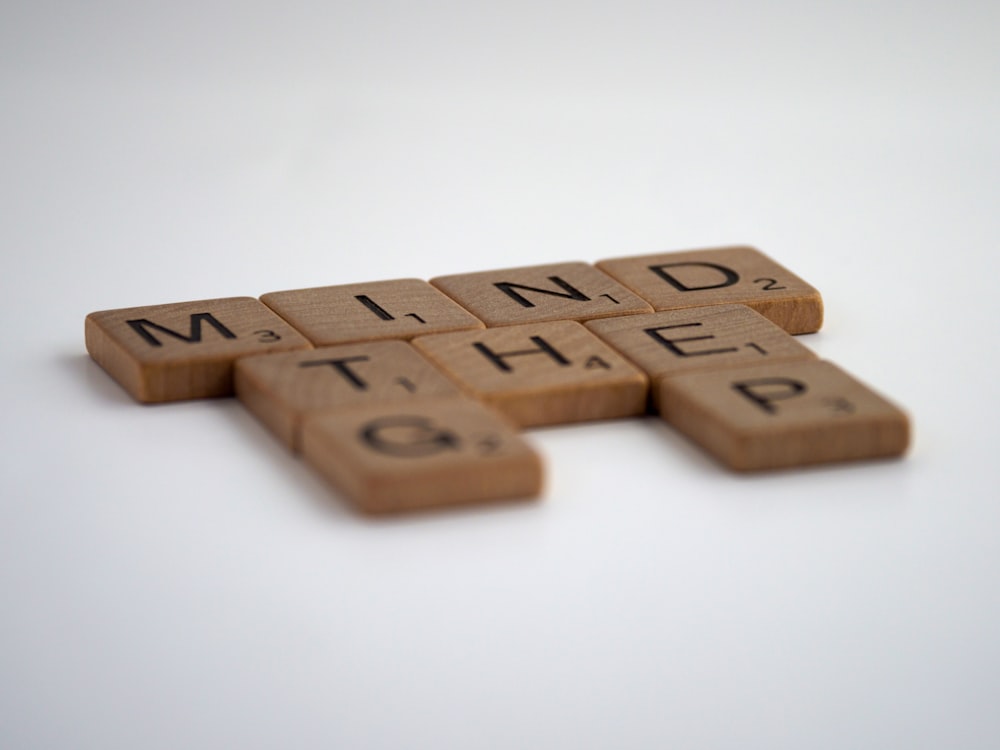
374, 306
729, 277
407, 437
569, 292
340, 365
671, 344
543, 347
140, 325
764, 391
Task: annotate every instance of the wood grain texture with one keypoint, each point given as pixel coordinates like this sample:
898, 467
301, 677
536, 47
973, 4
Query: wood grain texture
784, 414
370, 311
531, 294
184, 350
399, 457
281, 389
541, 373
673, 342
728, 275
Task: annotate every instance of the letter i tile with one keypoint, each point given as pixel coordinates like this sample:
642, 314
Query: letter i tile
370, 311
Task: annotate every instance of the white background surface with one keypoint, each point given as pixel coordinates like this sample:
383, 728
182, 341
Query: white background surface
170, 577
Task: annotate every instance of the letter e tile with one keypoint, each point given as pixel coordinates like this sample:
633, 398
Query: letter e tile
405, 456
673, 342
184, 350
783, 414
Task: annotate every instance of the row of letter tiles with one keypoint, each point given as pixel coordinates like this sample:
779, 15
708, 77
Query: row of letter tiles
147, 350
406, 308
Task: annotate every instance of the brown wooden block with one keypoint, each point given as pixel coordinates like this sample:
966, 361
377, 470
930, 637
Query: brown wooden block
727, 275
187, 349
541, 373
783, 414
281, 389
561, 291
673, 342
395, 457
370, 311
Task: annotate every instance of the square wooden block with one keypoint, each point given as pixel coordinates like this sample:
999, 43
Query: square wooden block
541, 373
184, 350
282, 389
560, 291
783, 414
404, 456
672, 342
728, 275
370, 311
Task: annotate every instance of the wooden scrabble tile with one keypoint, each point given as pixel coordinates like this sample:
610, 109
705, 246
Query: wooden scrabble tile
561, 291
281, 389
699, 338
541, 373
403, 456
728, 275
370, 311
783, 414
187, 349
